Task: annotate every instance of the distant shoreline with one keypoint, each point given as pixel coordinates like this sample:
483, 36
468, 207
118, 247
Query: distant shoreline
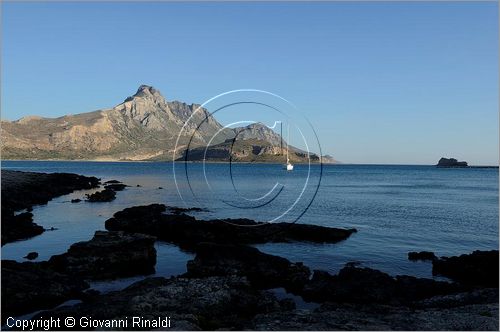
242, 162
171, 161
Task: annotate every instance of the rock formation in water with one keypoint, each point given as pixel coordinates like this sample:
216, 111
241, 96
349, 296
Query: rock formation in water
451, 162
22, 190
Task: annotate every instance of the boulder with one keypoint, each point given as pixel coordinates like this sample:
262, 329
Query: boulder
106, 195
115, 186
32, 255
421, 256
480, 268
108, 255
262, 270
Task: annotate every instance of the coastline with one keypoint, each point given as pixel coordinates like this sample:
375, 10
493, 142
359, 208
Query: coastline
240, 162
234, 271
169, 161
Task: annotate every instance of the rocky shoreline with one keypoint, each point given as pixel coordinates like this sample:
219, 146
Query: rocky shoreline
23, 190
186, 231
229, 284
228, 287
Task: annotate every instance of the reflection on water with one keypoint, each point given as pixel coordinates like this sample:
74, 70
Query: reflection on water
396, 209
170, 261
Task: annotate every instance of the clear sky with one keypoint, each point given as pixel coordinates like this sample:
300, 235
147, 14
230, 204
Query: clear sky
380, 82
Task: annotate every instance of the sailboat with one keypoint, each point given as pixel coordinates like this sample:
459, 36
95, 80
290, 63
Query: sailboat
288, 166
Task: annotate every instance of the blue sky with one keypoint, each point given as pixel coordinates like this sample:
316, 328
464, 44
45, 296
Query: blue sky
380, 82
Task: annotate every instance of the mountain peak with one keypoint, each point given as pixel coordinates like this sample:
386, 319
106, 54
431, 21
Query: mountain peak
148, 92
258, 131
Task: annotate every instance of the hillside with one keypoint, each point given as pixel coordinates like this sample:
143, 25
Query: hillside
145, 126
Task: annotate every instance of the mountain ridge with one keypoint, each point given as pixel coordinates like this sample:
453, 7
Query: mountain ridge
145, 126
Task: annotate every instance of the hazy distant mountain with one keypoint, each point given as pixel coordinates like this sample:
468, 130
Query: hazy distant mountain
143, 127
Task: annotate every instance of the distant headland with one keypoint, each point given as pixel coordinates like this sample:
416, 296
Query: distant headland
145, 127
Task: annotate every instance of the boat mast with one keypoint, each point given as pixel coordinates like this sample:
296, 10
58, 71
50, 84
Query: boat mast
287, 139
281, 136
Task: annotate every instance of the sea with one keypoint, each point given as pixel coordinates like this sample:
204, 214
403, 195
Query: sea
394, 208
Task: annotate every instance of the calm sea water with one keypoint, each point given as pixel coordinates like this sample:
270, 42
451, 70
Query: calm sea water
396, 209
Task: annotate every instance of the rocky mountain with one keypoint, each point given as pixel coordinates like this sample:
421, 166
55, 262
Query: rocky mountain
253, 143
144, 126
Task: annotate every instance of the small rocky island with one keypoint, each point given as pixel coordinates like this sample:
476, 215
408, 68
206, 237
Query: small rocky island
451, 162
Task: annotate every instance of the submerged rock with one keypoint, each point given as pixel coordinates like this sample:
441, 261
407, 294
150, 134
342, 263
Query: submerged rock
115, 186
112, 182
28, 286
106, 195
32, 255
179, 210
421, 256
108, 255
480, 268
262, 270
187, 231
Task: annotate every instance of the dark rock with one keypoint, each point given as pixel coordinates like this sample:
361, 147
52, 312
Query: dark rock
422, 256
115, 186
160, 187
106, 195
263, 270
32, 255
179, 210
18, 227
378, 317
480, 268
108, 255
28, 286
451, 162
208, 304
138, 185
76, 200
90, 294
112, 182
475, 296
365, 285
187, 231
354, 285
22, 190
